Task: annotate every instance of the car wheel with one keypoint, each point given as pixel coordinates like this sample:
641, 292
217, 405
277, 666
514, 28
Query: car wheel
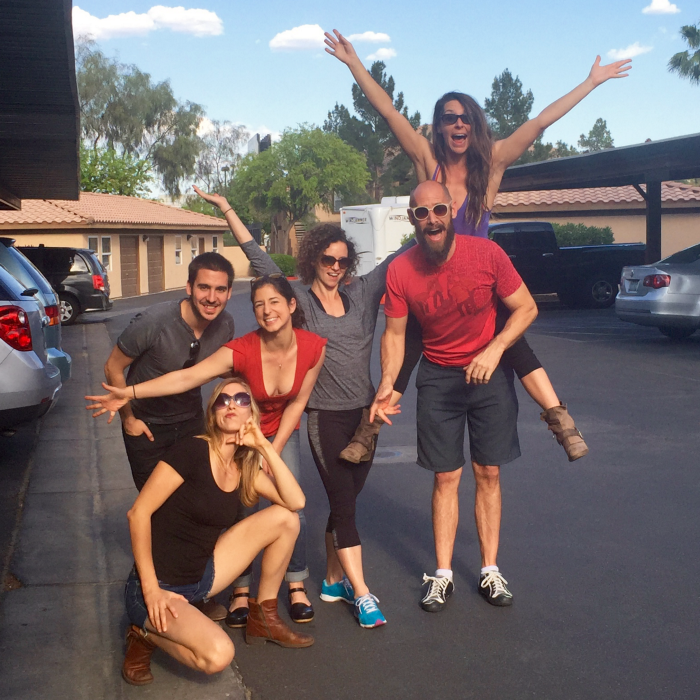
676, 333
70, 309
600, 292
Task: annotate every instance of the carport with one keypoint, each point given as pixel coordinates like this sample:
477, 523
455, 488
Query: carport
644, 166
39, 111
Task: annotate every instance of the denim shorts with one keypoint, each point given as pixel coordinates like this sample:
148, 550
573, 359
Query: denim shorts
194, 592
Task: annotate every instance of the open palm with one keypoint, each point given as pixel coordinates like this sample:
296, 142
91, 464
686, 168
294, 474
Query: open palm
619, 69
339, 47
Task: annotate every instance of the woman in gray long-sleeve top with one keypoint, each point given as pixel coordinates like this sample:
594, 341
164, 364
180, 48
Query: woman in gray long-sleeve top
345, 314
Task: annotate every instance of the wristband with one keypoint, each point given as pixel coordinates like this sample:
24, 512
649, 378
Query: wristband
227, 211
133, 388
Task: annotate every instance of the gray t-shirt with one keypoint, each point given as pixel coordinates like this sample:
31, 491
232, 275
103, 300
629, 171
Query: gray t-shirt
344, 382
159, 340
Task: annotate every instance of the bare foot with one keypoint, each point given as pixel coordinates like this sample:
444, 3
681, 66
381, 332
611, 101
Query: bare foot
298, 595
241, 600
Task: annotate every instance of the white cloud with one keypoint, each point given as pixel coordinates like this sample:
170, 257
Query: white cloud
306, 36
661, 7
631, 51
381, 55
197, 22
370, 38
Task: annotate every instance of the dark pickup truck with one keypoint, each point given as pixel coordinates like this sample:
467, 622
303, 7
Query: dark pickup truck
582, 276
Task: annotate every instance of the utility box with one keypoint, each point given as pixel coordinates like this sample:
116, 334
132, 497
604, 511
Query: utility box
376, 229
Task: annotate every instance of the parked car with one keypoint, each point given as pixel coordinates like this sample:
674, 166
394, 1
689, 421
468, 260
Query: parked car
29, 383
580, 275
77, 276
665, 295
23, 271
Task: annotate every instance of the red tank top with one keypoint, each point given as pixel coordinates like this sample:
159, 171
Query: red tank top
247, 361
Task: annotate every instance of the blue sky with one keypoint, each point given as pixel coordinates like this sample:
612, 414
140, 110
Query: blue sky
218, 53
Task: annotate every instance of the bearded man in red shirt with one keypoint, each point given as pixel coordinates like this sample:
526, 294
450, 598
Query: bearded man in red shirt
453, 285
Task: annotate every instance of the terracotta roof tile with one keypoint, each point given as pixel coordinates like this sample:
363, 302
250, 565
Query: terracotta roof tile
670, 192
94, 208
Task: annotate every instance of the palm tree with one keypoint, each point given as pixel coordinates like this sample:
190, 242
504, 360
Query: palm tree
685, 63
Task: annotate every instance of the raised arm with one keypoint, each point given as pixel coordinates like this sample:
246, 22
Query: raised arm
415, 145
508, 150
176, 382
393, 348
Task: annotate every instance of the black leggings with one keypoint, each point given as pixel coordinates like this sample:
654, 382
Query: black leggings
329, 434
519, 356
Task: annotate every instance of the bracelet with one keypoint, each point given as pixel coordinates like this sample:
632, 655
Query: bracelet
133, 388
227, 211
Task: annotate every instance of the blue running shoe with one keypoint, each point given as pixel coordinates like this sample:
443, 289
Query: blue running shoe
342, 590
367, 612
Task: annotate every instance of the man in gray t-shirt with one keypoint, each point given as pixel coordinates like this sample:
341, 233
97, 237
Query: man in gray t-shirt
164, 338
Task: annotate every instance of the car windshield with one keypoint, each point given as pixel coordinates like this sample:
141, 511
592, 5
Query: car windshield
683, 257
13, 262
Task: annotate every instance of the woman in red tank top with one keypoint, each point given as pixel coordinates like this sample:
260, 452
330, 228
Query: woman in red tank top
281, 362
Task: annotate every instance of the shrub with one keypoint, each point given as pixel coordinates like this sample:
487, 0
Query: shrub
580, 234
407, 237
286, 263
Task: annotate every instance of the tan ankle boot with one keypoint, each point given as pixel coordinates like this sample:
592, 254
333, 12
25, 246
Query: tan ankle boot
568, 436
364, 439
136, 669
265, 625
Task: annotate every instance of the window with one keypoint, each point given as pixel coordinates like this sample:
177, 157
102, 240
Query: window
178, 250
106, 257
193, 247
215, 244
92, 244
78, 265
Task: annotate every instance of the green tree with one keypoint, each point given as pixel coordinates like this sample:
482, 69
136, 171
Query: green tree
685, 63
304, 169
102, 169
580, 234
508, 107
122, 108
599, 137
391, 171
220, 155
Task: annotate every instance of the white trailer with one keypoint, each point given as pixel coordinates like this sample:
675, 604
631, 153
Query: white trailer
376, 229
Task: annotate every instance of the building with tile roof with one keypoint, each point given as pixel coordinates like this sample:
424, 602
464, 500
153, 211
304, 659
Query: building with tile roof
145, 245
621, 208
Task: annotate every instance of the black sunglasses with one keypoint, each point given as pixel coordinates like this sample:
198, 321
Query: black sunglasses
263, 278
194, 354
329, 261
421, 213
449, 118
242, 399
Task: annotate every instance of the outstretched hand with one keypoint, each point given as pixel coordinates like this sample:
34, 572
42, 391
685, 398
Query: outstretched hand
216, 199
599, 74
111, 402
340, 47
381, 405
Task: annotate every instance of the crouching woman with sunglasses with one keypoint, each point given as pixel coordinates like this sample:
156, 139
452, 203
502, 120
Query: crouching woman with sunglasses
182, 556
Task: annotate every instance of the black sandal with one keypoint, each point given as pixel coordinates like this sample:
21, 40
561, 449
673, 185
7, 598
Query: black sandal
300, 612
238, 617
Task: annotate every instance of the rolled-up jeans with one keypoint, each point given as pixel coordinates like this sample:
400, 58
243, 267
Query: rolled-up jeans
297, 569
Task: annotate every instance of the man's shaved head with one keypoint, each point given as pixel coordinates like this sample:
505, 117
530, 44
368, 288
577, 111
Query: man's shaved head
430, 189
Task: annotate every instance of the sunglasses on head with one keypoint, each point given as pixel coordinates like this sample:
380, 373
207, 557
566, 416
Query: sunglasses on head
264, 278
421, 213
449, 119
194, 354
329, 261
242, 399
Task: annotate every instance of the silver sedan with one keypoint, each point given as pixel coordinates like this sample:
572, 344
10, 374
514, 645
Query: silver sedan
665, 295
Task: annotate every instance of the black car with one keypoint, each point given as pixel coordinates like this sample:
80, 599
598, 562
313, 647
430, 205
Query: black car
77, 276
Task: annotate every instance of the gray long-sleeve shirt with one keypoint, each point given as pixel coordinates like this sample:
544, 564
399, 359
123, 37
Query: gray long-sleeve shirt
344, 382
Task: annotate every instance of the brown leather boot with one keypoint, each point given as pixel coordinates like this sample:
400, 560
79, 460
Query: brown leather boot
137, 660
364, 439
265, 625
568, 436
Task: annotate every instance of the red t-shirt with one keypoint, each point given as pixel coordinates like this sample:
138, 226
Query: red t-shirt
455, 303
247, 360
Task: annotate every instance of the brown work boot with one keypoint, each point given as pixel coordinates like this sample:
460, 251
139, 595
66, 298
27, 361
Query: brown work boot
136, 669
364, 439
265, 625
568, 436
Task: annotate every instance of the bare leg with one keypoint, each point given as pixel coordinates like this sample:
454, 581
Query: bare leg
351, 561
539, 387
445, 515
240, 602
487, 511
298, 595
334, 569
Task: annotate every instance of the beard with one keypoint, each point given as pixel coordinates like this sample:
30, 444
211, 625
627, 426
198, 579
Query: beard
436, 256
197, 313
